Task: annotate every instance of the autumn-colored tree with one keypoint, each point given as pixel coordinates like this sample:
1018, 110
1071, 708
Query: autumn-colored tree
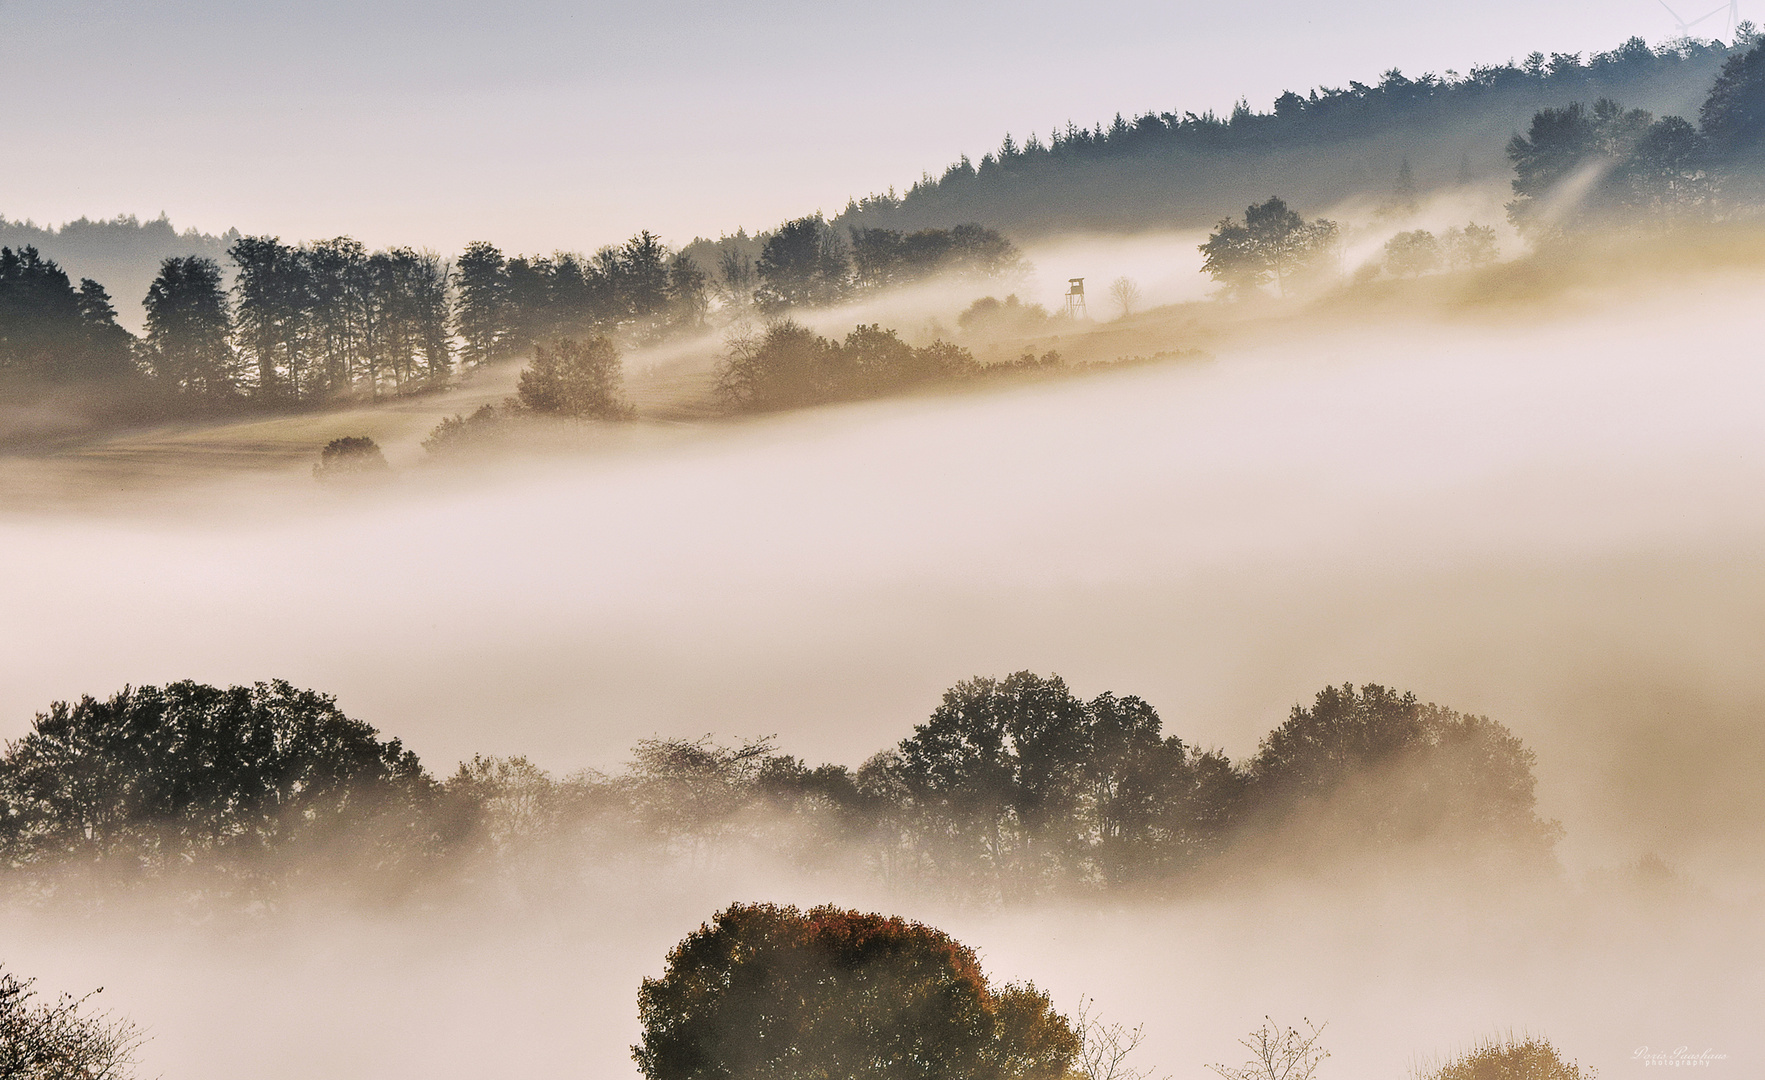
766, 992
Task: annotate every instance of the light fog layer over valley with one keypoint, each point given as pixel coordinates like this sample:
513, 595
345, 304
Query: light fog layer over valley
1548, 517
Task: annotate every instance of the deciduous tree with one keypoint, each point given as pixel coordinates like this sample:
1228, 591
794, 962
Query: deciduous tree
766, 992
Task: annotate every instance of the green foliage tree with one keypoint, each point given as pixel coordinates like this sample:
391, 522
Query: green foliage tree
1017, 778
576, 379
767, 992
1232, 259
888, 257
189, 343
689, 293
458, 434
1403, 200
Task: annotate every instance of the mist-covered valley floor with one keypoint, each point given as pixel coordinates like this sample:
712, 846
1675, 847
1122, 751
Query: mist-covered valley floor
1546, 511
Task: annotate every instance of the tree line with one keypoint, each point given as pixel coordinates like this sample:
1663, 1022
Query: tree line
1169, 166
309, 324
1012, 788
1577, 167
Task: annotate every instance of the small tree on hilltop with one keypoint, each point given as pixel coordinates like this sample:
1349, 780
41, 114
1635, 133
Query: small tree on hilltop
766, 992
1273, 243
1126, 295
577, 379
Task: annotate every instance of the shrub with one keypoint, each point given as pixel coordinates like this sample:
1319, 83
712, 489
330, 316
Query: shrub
350, 458
1531, 1058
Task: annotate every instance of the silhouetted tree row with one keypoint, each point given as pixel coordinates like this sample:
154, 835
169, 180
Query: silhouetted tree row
637, 291
1012, 787
1577, 167
123, 252
1168, 166
299, 324
332, 320
51, 331
806, 263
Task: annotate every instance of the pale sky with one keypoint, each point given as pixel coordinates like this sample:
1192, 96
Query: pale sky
543, 124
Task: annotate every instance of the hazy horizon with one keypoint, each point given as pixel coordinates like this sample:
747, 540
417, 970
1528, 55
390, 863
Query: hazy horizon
544, 125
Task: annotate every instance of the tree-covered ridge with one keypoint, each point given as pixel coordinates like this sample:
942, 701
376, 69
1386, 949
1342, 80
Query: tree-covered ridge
1011, 788
1173, 167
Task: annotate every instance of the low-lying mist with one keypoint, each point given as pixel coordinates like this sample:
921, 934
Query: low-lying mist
1549, 516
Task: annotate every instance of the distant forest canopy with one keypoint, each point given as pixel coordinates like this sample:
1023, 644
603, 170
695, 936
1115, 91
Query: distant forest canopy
1178, 169
1013, 787
123, 252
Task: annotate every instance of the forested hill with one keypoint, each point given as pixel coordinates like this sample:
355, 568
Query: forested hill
1183, 170
123, 253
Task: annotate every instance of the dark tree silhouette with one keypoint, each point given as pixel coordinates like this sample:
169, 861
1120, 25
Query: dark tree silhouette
189, 342
765, 992
272, 306
1576, 168
481, 315
1273, 244
803, 264
1733, 116
352, 457
51, 331
154, 774
1401, 770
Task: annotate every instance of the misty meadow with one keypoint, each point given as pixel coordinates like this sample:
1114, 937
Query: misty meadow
1265, 593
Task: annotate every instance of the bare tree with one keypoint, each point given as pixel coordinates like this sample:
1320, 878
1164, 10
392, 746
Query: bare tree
1104, 1048
60, 1040
1126, 295
1278, 1053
